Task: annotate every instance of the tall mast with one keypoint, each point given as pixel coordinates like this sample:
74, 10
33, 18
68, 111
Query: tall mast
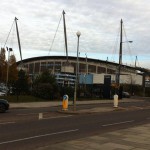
135, 61
65, 34
120, 52
18, 40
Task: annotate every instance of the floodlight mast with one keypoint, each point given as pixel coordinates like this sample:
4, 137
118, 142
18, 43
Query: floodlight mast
65, 34
120, 54
18, 40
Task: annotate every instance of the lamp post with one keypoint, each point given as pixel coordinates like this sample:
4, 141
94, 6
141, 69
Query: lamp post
120, 54
77, 70
9, 50
120, 59
118, 89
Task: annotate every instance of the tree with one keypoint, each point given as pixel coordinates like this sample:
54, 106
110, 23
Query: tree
13, 72
45, 86
21, 85
3, 66
12, 68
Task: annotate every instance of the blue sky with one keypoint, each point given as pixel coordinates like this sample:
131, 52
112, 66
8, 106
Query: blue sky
97, 20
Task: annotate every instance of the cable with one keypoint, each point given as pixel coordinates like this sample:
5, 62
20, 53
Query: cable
12, 38
9, 33
130, 54
115, 45
55, 35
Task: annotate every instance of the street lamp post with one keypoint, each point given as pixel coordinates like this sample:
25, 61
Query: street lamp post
77, 70
120, 60
120, 55
9, 50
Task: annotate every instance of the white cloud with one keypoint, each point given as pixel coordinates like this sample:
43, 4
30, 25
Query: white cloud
98, 21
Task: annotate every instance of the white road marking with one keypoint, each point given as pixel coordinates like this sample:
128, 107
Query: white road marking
38, 136
58, 117
105, 125
40, 116
4, 123
43, 116
27, 114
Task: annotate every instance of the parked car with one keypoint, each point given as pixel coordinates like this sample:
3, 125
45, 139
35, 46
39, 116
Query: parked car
4, 105
2, 93
125, 95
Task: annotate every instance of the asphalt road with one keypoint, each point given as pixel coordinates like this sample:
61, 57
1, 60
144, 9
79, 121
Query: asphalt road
21, 129
33, 113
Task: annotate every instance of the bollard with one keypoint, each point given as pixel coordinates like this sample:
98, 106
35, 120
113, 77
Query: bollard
115, 100
40, 116
65, 102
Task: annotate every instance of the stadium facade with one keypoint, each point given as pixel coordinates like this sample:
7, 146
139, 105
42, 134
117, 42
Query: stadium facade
91, 71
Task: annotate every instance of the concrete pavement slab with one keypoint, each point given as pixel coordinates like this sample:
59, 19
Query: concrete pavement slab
125, 139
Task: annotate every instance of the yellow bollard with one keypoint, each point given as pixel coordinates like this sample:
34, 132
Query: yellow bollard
65, 102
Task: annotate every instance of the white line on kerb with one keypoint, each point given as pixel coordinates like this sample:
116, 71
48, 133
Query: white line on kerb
27, 114
58, 117
105, 125
4, 123
38, 136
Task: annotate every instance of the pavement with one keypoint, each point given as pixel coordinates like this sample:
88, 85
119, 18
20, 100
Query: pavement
59, 103
75, 110
134, 138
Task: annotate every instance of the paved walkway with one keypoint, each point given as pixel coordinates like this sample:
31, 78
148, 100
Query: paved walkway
135, 138
77, 111
59, 103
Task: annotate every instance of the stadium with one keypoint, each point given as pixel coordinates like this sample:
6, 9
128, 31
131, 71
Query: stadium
91, 73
